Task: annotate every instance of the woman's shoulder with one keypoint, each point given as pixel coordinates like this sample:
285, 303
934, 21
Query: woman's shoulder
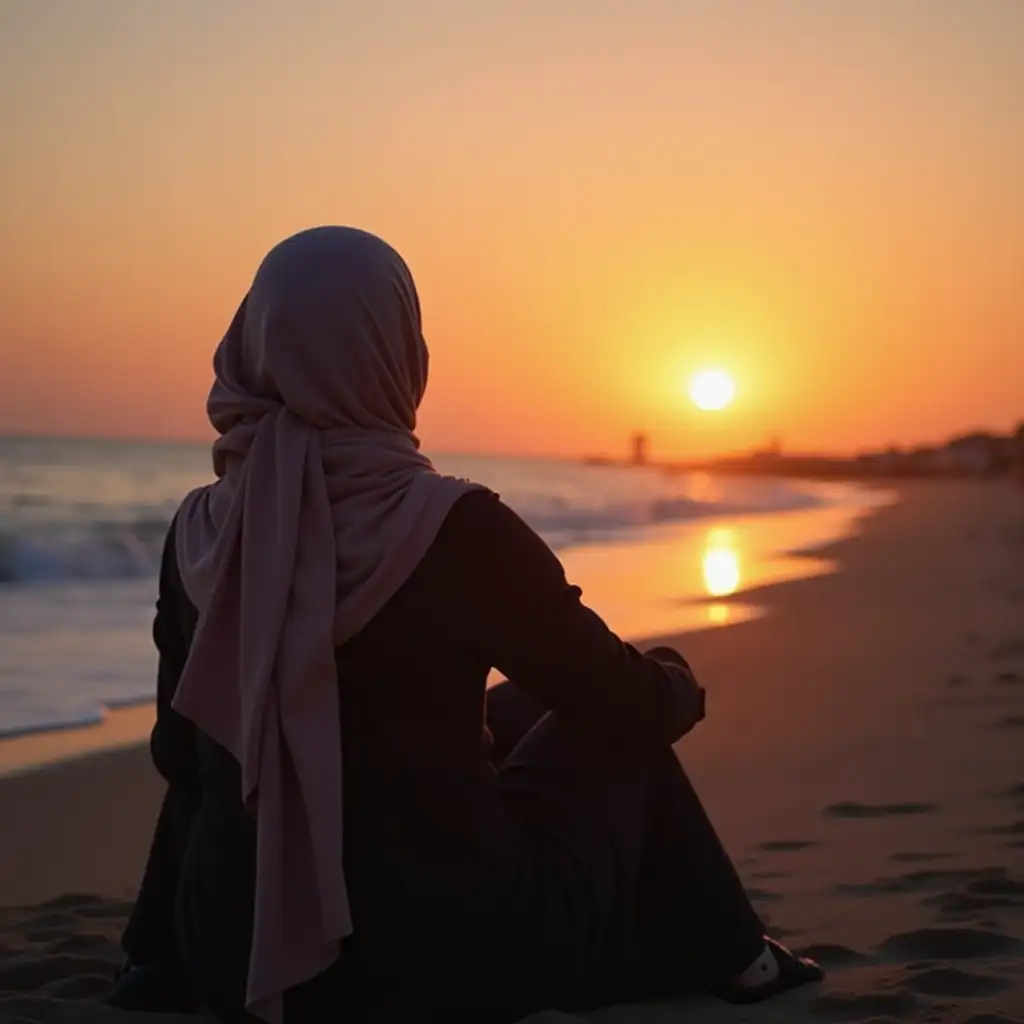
487, 535
479, 514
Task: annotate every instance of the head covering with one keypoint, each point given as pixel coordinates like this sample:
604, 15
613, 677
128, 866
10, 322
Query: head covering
322, 509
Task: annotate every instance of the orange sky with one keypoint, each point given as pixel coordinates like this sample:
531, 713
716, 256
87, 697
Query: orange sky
595, 197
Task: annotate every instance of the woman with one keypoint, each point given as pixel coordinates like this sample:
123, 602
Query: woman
335, 835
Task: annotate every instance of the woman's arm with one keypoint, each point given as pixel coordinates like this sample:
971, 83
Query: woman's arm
173, 740
149, 938
532, 626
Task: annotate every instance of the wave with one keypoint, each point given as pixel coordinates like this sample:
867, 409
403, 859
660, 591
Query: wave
569, 526
95, 550
27, 723
109, 549
51, 720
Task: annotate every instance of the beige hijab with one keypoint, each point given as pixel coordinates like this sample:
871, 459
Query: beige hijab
322, 509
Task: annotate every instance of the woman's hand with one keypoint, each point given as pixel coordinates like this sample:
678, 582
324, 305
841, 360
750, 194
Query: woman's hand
670, 656
692, 695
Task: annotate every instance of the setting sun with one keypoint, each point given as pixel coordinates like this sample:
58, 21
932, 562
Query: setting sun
712, 390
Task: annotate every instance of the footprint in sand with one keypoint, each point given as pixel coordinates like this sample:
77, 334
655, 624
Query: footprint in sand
996, 885
850, 1006
106, 911
979, 881
947, 944
57, 922
86, 944
1010, 722
960, 904
855, 811
50, 934
786, 845
956, 893
762, 895
30, 975
769, 876
82, 986
832, 955
72, 901
953, 982
1015, 828
1008, 650
24, 1008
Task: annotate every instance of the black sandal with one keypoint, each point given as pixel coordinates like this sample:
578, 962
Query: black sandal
794, 971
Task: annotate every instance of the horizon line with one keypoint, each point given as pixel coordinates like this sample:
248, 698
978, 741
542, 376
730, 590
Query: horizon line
19, 435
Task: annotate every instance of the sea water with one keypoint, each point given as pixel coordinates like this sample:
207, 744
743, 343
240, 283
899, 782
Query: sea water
82, 525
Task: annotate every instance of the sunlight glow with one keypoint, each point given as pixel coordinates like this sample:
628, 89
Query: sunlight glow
712, 390
719, 614
720, 565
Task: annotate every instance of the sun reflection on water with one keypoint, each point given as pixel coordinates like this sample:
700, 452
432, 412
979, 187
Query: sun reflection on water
719, 614
720, 565
720, 570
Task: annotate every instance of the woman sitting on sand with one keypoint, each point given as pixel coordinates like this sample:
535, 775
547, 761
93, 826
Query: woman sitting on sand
336, 836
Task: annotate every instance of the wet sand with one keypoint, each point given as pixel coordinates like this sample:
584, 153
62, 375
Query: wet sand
863, 758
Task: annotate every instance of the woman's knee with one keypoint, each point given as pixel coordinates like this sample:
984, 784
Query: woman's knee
670, 655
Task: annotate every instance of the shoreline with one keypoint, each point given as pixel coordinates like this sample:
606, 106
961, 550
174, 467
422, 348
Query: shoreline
604, 570
51, 748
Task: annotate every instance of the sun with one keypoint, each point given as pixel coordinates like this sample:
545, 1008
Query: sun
712, 390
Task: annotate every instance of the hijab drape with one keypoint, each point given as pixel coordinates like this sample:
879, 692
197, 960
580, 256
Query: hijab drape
322, 508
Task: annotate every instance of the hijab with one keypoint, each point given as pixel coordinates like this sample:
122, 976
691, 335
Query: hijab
322, 508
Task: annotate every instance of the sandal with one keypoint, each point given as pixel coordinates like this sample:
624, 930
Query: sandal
794, 971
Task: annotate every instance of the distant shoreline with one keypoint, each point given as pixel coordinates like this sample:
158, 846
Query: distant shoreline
821, 469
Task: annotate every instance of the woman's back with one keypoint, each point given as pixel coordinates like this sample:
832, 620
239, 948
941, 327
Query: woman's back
429, 856
440, 874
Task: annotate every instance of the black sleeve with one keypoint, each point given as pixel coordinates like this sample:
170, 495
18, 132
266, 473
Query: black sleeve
173, 741
530, 624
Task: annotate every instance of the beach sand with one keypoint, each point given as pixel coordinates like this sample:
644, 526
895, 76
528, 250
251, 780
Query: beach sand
863, 757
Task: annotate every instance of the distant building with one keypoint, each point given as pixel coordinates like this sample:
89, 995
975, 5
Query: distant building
639, 450
927, 460
770, 454
886, 462
974, 454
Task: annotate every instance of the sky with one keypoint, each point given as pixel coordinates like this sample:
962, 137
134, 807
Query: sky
596, 198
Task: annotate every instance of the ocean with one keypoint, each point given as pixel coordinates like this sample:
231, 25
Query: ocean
82, 524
